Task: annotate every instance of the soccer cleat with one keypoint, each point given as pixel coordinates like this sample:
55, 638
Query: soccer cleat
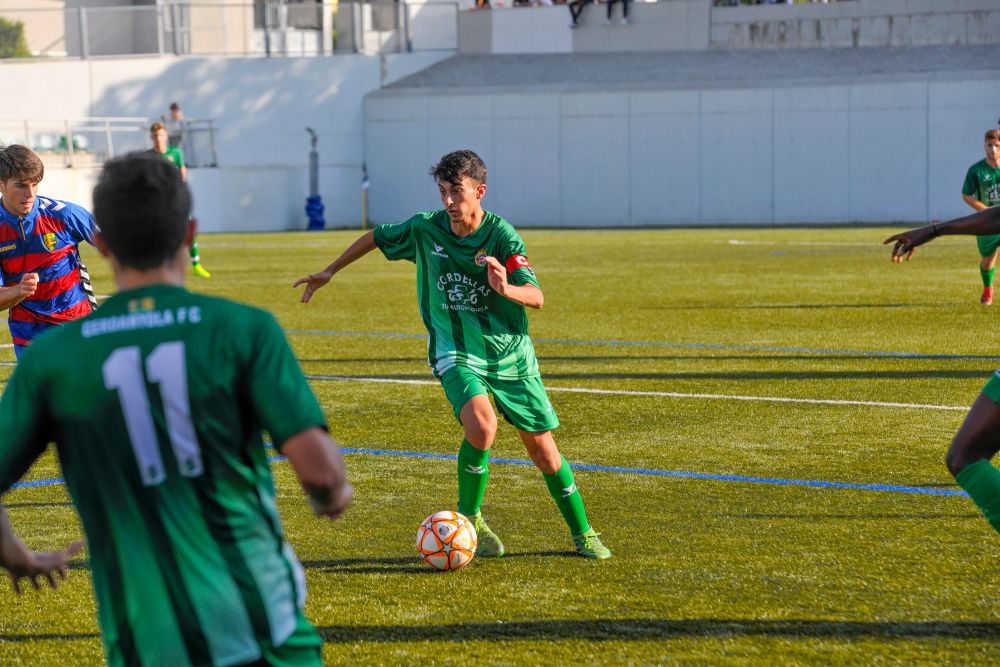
489, 544
201, 271
987, 298
589, 545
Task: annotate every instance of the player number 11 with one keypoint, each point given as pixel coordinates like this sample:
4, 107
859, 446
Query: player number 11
123, 371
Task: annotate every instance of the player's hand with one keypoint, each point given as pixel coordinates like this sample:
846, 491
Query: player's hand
906, 242
496, 274
313, 282
336, 507
22, 563
28, 284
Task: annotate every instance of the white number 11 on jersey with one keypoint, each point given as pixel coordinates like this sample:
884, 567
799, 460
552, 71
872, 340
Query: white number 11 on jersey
123, 371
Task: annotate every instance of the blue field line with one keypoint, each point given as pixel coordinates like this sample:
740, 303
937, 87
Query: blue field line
893, 488
697, 346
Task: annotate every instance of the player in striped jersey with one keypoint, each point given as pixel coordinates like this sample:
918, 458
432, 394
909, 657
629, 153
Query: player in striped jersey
473, 283
158, 425
46, 283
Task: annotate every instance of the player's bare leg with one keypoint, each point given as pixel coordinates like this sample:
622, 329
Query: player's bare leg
480, 424
968, 458
562, 487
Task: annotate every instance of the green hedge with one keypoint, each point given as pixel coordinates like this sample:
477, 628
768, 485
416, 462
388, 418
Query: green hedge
12, 42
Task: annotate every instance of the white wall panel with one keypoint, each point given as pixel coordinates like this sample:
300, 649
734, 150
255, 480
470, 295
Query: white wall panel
594, 174
665, 168
524, 177
888, 167
811, 158
736, 166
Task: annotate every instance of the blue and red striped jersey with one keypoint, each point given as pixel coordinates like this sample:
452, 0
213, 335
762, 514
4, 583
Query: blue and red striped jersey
45, 242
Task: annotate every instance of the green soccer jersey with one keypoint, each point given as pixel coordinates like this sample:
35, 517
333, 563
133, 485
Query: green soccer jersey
157, 403
983, 182
173, 155
469, 324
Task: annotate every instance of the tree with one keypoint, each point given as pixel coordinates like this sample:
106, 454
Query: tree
12, 42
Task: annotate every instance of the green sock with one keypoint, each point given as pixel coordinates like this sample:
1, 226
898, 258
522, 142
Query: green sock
473, 471
563, 490
982, 482
987, 276
195, 258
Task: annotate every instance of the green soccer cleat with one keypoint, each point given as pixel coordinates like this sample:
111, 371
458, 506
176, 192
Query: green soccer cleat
201, 271
589, 545
489, 545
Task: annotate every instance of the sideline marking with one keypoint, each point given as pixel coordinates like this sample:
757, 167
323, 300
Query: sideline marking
671, 394
699, 346
815, 483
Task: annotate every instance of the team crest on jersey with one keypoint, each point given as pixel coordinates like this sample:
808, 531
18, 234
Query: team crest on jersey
144, 304
481, 256
49, 241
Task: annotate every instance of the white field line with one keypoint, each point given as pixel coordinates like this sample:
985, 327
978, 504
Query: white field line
674, 394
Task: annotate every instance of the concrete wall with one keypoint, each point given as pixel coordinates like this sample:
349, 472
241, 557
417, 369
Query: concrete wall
697, 25
669, 25
857, 23
261, 107
878, 151
417, 25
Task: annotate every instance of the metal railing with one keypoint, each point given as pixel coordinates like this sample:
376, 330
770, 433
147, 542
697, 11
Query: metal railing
261, 28
76, 142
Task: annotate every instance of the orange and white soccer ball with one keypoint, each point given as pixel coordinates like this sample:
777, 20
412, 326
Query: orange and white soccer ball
446, 541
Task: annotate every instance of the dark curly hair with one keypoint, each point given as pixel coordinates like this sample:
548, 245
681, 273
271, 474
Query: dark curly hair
458, 164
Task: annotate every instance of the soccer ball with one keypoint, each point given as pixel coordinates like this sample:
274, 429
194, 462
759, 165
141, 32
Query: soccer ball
446, 541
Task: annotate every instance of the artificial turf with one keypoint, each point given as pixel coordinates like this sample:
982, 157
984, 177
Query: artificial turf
669, 355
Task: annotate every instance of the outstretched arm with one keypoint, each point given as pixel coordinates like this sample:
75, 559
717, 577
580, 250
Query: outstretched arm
15, 294
983, 223
355, 251
22, 563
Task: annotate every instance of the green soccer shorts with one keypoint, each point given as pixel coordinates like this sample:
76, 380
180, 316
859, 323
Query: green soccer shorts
988, 244
523, 402
992, 388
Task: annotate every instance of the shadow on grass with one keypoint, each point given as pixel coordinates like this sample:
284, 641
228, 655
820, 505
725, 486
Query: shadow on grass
854, 517
795, 306
49, 637
627, 629
408, 564
777, 375
630, 629
52, 504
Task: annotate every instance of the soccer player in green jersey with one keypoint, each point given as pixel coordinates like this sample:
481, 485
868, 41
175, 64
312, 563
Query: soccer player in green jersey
977, 441
980, 191
173, 154
473, 283
156, 404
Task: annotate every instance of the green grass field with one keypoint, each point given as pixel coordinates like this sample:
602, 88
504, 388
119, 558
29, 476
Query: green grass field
664, 352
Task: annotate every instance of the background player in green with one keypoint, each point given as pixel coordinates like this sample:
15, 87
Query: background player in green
473, 283
978, 439
156, 403
158, 133
980, 191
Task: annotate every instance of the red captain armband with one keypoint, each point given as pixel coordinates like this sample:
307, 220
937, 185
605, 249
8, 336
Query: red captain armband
517, 262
